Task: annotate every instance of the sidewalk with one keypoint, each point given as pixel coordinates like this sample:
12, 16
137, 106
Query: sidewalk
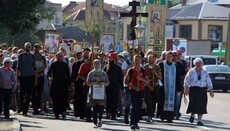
11, 124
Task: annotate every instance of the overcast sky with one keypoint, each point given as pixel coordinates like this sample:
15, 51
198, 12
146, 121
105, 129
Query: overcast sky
114, 2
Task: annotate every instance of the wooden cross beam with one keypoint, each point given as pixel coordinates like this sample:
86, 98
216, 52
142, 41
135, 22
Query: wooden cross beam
133, 13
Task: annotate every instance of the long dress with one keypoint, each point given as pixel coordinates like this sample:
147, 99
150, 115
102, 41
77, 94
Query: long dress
59, 72
166, 107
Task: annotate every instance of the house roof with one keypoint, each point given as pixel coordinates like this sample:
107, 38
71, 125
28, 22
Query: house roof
73, 32
76, 11
200, 11
194, 2
70, 32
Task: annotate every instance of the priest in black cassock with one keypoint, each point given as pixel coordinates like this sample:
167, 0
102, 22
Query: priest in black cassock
60, 75
79, 105
170, 87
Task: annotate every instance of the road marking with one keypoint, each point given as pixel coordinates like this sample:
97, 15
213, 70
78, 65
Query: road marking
206, 128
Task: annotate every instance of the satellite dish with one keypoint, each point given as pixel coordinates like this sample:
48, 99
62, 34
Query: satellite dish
213, 1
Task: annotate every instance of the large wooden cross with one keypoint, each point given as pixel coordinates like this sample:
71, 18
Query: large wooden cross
133, 13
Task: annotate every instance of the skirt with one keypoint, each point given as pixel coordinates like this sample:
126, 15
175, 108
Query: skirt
197, 100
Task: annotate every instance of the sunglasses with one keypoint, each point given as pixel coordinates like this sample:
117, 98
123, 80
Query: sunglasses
199, 77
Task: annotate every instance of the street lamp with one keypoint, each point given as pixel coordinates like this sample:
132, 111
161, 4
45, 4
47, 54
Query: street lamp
139, 31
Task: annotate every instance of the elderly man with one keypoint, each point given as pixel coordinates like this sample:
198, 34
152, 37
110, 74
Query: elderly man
60, 75
27, 73
196, 83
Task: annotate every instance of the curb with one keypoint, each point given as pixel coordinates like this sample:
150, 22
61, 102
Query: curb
16, 126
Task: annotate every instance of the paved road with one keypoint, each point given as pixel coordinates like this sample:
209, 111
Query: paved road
217, 119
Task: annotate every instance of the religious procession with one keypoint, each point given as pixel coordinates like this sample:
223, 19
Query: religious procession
96, 83
107, 67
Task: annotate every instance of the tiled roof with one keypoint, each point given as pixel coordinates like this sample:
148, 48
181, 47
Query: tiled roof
200, 11
76, 11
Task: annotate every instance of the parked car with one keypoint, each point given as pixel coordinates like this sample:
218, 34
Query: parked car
220, 76
207, 60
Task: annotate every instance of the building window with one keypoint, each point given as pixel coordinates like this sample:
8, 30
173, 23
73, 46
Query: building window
185, 31
215, 32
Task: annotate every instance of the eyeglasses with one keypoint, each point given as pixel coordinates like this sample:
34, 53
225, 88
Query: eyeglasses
199, 77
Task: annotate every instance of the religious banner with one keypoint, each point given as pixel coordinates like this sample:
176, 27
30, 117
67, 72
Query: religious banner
156, 23
94, 12
51, 42
107, 42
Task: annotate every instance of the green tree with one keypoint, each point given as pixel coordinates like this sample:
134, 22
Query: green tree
18, 39
174, 3
18, 16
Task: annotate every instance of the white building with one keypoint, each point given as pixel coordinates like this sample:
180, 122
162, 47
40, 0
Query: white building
57, 21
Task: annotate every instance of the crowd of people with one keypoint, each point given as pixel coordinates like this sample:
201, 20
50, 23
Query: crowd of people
128, 83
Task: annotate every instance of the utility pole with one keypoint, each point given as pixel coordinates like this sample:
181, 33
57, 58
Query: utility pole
227, 50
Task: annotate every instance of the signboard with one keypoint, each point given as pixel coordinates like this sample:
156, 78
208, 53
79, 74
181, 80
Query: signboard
181, 45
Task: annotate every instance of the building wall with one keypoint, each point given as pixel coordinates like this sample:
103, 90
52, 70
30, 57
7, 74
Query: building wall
57, 18
205, 25
194, 28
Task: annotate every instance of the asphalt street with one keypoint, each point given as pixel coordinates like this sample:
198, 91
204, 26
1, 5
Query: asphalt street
217, 119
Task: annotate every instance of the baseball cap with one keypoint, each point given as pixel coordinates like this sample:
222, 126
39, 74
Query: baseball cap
8, 59
125, 53
37, 45
113, 55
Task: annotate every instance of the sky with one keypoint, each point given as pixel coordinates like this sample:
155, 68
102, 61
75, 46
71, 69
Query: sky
114, 2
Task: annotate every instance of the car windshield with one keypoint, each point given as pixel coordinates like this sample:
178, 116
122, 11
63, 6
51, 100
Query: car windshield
217, 69
207, 61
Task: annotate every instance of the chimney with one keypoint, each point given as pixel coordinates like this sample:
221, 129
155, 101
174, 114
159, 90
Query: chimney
183, 2
72, 2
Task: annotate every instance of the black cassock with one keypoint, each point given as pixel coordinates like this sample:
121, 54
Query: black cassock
115, 76
169, 115
59, 72
79, 105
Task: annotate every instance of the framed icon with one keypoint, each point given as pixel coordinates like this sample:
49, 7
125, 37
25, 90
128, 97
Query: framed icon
107, 42
51, 42
156, 17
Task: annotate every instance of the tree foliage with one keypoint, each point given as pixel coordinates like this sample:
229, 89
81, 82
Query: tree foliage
18, 39
18, 16
174, 3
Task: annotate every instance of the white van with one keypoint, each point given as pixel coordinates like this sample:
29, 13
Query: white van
207, 60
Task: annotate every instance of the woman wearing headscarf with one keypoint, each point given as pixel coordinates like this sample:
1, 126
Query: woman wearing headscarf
196, 83
97, 79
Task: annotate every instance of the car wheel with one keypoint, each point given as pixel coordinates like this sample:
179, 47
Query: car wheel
225, 90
